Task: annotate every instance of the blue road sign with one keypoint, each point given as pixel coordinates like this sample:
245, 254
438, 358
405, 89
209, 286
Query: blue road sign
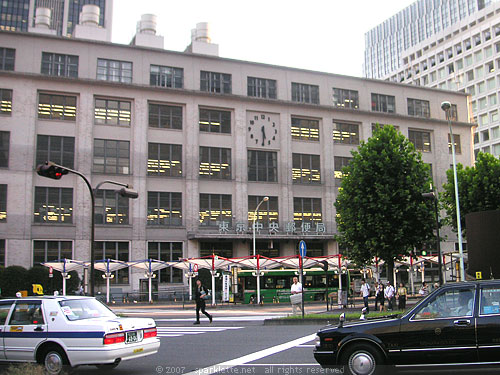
302, 248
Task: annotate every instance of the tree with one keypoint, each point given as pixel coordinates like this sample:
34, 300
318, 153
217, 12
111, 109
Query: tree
478, 189
380, 209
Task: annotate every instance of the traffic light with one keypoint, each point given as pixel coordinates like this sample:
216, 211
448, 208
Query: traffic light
51, 171
324, 265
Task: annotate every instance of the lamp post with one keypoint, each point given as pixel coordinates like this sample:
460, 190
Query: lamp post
446, 107
265, 199
432, 195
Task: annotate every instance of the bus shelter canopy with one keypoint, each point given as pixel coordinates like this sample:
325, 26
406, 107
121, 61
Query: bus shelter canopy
65, 265
150, 265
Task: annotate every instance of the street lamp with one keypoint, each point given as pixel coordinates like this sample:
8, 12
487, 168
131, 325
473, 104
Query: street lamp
255, 213
446, 107
432, 195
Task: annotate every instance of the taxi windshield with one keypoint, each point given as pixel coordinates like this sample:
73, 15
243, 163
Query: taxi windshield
88, 308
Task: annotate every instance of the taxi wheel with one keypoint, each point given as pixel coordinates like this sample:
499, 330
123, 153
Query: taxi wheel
55, 361
362, 359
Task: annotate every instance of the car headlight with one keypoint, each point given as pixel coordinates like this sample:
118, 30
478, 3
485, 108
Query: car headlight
317, 341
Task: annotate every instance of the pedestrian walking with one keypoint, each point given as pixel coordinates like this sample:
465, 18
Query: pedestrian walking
365, 293
423, 290
379, 296
200, 295
296, 290
402, 292
389, 295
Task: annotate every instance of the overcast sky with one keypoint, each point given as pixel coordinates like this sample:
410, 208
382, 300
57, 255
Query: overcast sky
322, 35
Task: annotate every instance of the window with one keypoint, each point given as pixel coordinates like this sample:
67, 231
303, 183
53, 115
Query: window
222, 249
214, 121
339, 163
494, 116
166, 76
215, 163
468, 60
164, 160
304, 93
7, 58
306, 169
215, 209
483, 119
5, 102
345, 98
458, 147
448, 304
486, 35
261, 88
490, 84
492, 99
114, 250
305, 129
458, 49
4, 149
53, 205
262, 166
377, 125
270, 249
345, 133
110, 207
112, 112
420, 108
479, 72
307, 210
489, 301
3, 203
482, 103
477, 39
215, 82
460, 64
56, 107
54, 64
488, 52
268, 211
481, 87
164, 208
420, 139
47, 251
111, 156
114, 71
467, 44
485, 135
60, 150
27, 313
3, 315
478, 56
383, 103
167, 252
165, 116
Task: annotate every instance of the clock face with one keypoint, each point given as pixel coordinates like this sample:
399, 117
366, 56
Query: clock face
262, 130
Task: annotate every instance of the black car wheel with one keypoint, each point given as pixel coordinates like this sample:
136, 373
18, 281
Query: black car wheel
361, 359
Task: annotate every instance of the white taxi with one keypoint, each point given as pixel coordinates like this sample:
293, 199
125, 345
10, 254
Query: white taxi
64, 332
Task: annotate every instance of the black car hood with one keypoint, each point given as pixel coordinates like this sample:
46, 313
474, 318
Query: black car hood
366, 326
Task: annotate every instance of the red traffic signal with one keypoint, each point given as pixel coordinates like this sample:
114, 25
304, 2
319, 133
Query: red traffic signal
51, 171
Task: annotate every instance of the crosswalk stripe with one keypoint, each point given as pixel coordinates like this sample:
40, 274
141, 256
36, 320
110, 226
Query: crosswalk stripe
181, 331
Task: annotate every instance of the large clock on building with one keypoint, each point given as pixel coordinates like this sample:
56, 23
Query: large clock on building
262, 130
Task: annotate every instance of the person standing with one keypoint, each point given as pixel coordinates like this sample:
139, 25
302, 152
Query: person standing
423, 290
296, 289
402, 296
389, 295
200, 295
365, 293
381, 296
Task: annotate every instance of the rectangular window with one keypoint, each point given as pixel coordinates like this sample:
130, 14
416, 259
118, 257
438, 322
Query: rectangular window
215, 163
53, 205
164, 160
345, 98
215, 82
262, 166
114, 250
7, 58
3, 202
222, 249
307, 210
306, 169
420, 108
339, 163
5, 102
111, 156
4, 149
110, 207
114, 70
383, 103
303, 93
166, 76
261, 88
345, 133
305, 129
421, 140
165, 116
268, 211
164, 208
458, 147
54, 64
49, 251
215, 121
60, 150
167, 252
56, 107
112, 112
215, 209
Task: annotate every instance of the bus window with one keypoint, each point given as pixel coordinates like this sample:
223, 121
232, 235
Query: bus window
250, 282
269, 282
281, 283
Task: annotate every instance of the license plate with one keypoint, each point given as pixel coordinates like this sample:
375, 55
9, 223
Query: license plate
134, 336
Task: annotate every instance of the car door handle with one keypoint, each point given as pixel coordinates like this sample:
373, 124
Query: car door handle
462, 322
38, 329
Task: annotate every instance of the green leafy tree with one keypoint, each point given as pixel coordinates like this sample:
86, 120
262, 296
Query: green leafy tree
478, 189
380, 209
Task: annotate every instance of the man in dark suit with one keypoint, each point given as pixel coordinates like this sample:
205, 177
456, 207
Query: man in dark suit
200, 295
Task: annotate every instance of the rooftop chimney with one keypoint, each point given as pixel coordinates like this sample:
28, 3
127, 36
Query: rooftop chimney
201, 42
89, 28
43, 18
146, 33
90, 15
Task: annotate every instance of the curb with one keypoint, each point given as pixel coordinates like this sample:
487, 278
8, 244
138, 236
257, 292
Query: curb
299, 322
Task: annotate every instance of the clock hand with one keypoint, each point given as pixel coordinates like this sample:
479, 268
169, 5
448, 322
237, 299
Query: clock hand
263, 134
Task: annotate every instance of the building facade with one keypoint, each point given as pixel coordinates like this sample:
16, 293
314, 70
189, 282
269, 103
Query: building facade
201, 138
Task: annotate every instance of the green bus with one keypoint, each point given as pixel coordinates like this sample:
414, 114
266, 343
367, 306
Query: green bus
275, 284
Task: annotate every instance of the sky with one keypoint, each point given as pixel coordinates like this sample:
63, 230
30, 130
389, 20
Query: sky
320, 35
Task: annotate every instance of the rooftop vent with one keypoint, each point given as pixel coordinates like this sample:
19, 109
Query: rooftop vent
90, 15
147, 24
201, 42
146, 33
42, 18
89, 28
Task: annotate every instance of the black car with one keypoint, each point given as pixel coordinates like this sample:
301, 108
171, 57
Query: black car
456, 325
